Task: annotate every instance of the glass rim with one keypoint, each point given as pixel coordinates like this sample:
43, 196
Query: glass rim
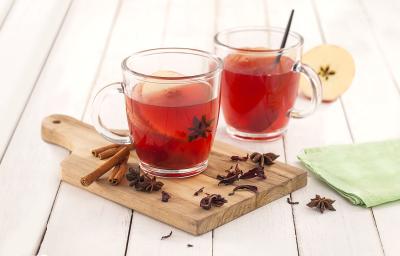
180, 50
299, 43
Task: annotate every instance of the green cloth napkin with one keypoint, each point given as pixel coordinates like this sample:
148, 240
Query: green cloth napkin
366, 174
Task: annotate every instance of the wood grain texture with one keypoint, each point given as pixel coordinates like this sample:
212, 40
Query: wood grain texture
183, 210
5, 7
32, 186
24, 46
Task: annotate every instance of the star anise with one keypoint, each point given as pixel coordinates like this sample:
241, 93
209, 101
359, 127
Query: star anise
231, 177
255, 172
269, 158
325, 72
263, 159
321, 203
212, 200
200, 128
149, 184
142, 182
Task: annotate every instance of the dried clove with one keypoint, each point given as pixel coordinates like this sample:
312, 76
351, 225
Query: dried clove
244, 187
240, 158
212, 200
290, 201
167, 236
200, 190
189, 245
165, 196
321, 203
255, 172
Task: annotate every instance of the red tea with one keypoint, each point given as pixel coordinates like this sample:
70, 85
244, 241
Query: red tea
162, 119
257, 92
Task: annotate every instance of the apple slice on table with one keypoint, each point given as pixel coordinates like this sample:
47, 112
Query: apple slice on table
335, 67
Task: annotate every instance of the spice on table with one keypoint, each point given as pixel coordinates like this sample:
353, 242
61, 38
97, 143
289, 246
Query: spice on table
108, 153
251, 188
167, 236
255, 172
118, 173
269, 158
189, 245
148, 184
97, 151
106, 166
289, 201
263, 159
142, 182
200, 190
240, 158
165, 196
133, 174
321, 203
257, 158
212, 200
231, 177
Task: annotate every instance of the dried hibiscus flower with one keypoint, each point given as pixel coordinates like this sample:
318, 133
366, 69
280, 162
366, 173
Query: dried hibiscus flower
255, 172
244, 187
212, 200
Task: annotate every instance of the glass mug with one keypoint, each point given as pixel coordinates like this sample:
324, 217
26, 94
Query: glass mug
172, 98
259, 81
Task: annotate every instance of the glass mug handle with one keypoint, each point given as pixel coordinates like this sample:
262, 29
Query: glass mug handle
313, 78
113, 88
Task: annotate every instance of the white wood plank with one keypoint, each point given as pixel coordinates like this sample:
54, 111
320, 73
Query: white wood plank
380, 21
350, 230
30, 167
383, 20
190, 24
268, 229
25, 41
5, 7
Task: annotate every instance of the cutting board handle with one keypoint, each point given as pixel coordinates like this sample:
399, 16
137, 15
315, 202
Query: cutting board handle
67, 132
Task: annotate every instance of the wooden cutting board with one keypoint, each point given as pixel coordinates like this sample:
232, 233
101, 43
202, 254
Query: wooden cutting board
182, 210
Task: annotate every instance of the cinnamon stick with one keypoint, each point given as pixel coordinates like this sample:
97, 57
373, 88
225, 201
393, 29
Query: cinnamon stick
97, 151
106, 166
119, 173
108, 153
113, 173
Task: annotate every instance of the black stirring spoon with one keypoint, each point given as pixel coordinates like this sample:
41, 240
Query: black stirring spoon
285, 36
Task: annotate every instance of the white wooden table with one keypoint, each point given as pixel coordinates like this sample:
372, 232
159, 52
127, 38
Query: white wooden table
55, 54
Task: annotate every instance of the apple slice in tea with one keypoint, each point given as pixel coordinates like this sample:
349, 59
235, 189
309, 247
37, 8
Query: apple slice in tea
166, 107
